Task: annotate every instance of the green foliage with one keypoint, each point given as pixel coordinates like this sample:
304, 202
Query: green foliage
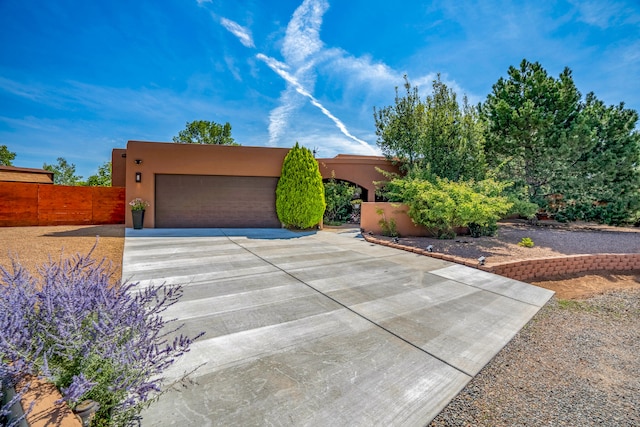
442, 205
522, 208
337, 196
477, 230
300, 199
433, 136
103, 178
526, 242
389, 227
64, 173
205, 132
603, 183
6, 156
532, 131
543, 137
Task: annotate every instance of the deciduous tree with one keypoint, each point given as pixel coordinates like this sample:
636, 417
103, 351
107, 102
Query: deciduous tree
432, 137
103, 178
205, 132
64, 173
6, 156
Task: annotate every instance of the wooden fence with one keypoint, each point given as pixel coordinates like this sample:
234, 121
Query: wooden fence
23, 204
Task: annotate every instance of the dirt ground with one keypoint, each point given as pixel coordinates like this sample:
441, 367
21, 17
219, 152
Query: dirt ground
33, 246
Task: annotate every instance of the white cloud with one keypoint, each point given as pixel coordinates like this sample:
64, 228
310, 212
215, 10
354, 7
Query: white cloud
360, 81
243, 34
596, 13
302, 38
290, 102
202, 2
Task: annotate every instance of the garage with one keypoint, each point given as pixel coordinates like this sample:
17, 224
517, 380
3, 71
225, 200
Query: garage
207, 201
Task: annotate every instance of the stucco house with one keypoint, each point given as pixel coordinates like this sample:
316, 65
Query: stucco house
192, 185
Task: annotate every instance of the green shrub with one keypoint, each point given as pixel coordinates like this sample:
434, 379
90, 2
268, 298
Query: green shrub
477, 230
389, 227
337, 196
526, 242
522, 208
300, 192
442, 205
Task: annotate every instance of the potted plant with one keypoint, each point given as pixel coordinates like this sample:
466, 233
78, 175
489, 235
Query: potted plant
137, 212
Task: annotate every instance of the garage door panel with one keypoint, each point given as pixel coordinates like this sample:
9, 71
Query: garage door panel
184, 201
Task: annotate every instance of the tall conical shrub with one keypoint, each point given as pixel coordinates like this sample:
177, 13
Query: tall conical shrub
300, 192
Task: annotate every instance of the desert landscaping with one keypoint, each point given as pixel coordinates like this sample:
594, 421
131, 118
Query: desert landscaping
575, 363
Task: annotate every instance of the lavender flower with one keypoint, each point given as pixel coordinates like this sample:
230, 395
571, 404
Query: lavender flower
79, 387
94, 337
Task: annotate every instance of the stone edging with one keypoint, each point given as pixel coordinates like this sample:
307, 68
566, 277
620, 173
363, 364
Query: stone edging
533, 268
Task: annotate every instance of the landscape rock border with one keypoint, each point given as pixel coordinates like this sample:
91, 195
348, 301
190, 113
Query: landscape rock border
532, 268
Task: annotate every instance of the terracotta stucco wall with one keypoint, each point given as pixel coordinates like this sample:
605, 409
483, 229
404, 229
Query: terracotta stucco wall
192, 159
360, 170
151, 158
370, 218
118, 167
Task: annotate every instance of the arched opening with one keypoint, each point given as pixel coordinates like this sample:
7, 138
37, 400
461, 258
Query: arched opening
344, 200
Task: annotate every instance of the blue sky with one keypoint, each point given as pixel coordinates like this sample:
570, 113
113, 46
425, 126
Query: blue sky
78, 78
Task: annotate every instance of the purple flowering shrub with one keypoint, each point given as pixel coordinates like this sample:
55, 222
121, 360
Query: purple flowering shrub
92, 339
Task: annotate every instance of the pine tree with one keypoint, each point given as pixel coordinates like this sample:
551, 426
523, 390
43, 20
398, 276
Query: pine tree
300, 193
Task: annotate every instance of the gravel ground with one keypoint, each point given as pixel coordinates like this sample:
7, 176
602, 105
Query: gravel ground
553, 239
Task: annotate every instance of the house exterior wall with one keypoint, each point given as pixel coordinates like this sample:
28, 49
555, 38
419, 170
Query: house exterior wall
161, 158
361, 170
118, 167
192, 159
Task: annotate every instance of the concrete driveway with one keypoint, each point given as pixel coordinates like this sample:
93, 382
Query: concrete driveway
321, 329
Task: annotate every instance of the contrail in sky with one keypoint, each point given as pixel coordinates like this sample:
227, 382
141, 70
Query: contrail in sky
279, 68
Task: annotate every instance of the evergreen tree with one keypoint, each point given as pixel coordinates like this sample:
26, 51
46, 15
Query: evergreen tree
533, 137
300, 199
578, 158
604, 183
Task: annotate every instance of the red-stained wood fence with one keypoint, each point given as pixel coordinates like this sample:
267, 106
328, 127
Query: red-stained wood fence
23, 204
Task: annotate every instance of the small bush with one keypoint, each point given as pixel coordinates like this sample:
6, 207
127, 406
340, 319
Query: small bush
389, 227
526, 242
442, 205
522, 208
91, 338
477, 230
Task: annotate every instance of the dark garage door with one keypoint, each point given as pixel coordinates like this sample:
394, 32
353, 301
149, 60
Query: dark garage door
192, 201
